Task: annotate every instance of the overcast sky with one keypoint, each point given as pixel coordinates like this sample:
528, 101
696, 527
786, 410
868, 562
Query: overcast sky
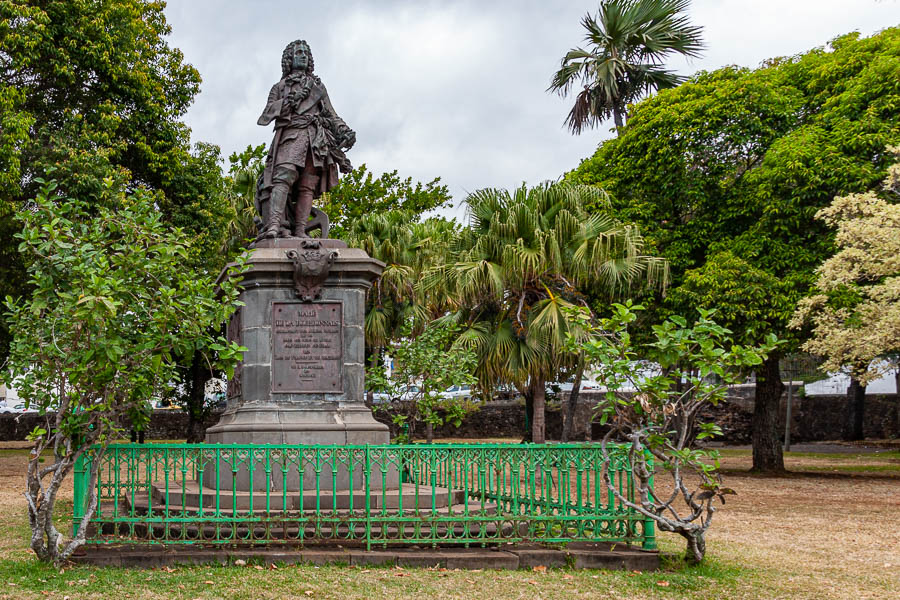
456, 90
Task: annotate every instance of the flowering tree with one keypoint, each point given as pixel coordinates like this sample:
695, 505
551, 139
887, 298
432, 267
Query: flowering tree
855, 314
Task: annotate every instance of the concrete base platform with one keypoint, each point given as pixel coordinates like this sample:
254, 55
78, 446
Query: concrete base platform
509, 556
408, 495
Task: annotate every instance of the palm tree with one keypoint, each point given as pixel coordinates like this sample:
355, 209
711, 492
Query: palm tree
526, 257
408, 248
245, 170
628, 41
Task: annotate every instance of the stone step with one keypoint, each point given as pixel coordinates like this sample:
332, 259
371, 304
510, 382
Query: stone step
106, 510
191, 495
329, 526
577, 555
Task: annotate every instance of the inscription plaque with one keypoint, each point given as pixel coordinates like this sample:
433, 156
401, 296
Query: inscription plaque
307, 348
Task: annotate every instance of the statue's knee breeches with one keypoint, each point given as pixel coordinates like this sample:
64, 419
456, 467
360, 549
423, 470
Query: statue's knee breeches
309, 180
285, 174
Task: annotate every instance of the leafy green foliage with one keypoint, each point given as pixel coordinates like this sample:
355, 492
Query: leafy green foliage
429, 362
526, 257
91, 90
113, 307
657, 410
628, 41
739, 161
359, 193
408, 248
742, 295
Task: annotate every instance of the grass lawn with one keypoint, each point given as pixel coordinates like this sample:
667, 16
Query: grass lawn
829, 530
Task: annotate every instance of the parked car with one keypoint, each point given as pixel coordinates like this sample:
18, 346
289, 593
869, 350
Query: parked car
17, 408
559, 387
380, 397
463, 392
405, 394
408, 393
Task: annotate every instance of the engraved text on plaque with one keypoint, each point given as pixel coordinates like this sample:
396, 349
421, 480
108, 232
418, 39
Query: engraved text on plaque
306, 347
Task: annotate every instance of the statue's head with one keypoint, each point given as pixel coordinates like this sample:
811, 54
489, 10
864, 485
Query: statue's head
296, 57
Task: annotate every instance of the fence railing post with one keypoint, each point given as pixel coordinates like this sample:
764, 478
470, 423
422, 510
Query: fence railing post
649, 524
367, 473
82, 466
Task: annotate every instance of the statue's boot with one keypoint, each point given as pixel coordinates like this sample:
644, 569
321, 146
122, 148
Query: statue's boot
277, 202
308, 182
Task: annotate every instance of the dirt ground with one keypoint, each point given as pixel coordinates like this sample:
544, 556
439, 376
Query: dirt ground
828, 530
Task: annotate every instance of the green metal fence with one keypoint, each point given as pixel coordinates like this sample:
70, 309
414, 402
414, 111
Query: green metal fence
373, 495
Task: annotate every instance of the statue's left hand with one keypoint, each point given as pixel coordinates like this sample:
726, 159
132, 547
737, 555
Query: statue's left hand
348, 140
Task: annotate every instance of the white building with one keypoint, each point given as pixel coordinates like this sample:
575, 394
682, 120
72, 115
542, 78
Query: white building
839, 382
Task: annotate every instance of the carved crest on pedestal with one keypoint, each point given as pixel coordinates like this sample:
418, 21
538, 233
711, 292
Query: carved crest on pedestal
311, 266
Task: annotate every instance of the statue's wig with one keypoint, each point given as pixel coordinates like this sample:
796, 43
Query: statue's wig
287, 58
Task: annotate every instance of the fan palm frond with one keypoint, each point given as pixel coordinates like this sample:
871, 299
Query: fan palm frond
627, 41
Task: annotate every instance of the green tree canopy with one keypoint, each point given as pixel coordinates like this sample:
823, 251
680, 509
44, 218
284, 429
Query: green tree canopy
360, 193
527, 256
91, 90
739, 160
112, 309
408, 248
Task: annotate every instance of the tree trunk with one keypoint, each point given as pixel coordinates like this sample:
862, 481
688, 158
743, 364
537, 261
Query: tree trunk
373, 362
696, 548
617, 118
572, 405
538, 422
429, 433
767, 451
529, 413
856, 402
197, 378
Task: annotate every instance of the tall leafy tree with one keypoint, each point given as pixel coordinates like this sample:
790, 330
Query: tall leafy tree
89, 91
113, 306
526, 257
739, 161
360, 193
627, 44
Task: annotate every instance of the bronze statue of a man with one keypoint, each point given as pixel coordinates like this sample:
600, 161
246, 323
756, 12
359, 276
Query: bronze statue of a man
308, 147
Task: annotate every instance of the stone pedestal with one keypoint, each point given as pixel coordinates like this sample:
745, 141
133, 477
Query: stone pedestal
301, 379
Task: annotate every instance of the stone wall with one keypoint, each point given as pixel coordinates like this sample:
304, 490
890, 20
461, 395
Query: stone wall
164, 425
814, 418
